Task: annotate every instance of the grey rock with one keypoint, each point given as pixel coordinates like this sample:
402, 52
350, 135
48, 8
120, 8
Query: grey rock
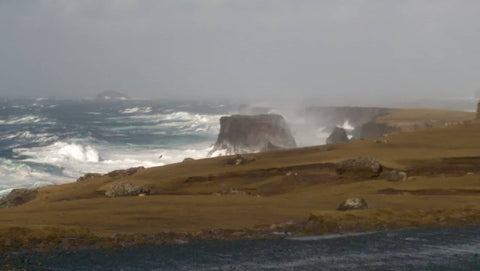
353, 204
243, 134
360, 167
88, 176
395, 175
125, 172
338, 135
124, 189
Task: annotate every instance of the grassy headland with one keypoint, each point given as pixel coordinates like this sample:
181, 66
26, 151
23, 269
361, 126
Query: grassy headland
292, 191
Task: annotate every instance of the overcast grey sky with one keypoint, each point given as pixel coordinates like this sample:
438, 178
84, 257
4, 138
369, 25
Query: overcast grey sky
325, 50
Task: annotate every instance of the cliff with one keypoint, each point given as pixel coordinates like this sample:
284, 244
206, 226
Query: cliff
243, 134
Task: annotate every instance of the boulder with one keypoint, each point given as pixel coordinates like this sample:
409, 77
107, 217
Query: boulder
18, 197
360, 167
395, 175
338, 135
244, 134
124, 189
353, 204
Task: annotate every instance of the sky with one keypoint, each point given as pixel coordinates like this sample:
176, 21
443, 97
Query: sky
337, 51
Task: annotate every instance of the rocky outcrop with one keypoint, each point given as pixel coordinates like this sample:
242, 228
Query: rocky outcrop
353, 204
394, 175
88, 176
359, 168
478, 110
373, 130
245, 134
124, 172
338, 135
18, 197
125, 189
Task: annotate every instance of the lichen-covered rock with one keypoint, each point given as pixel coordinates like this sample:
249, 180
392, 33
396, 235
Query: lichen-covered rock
360, 167
353, 204
338, 135
18, 197
124, 189
395, 175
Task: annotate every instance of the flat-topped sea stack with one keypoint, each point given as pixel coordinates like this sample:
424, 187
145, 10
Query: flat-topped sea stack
244, 134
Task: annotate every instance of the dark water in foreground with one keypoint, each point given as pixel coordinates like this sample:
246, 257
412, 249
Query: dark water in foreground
430, 249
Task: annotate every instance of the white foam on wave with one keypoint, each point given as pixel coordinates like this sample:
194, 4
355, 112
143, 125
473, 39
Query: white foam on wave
34, 138
14, 174
60, 152
347, 126
132, 110
76, 158
26, 119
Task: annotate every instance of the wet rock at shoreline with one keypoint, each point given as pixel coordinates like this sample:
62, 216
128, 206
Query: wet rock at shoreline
360, 167
244, 134
124, 189
353, 204
18, 197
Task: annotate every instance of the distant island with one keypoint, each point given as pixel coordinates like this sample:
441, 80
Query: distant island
112, 95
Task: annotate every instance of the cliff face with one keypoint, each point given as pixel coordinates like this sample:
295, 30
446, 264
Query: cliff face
243, 134
333, 116
372, 130
339, 135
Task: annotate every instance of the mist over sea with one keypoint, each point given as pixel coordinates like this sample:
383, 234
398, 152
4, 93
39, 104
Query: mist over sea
45, 142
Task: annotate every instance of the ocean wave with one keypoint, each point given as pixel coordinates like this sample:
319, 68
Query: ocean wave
60, 152
26, 119
132, 110
16, 174
31, 137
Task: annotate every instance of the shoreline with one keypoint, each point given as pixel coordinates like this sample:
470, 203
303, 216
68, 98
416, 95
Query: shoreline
320, 225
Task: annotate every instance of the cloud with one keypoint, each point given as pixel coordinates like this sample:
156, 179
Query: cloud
325, 50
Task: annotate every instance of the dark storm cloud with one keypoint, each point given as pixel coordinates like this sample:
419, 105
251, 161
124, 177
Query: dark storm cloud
340, 51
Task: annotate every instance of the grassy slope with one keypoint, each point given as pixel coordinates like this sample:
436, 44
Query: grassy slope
279, 186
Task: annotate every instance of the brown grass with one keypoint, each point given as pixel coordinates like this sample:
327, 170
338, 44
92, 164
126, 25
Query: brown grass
290, 185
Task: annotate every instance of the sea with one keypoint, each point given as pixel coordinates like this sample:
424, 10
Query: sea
51, 141
435, 249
